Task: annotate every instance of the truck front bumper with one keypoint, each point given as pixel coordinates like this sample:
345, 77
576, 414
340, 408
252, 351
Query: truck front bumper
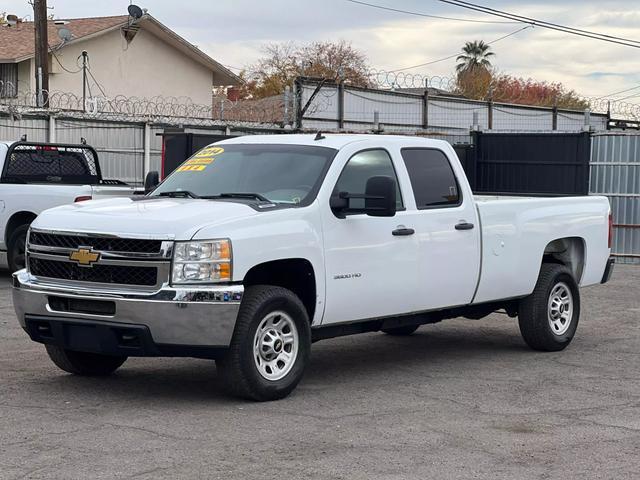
197, 321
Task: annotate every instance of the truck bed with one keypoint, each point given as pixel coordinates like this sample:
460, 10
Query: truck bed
516, 228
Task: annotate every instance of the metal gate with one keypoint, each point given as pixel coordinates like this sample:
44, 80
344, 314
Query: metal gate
615, 172
531, 163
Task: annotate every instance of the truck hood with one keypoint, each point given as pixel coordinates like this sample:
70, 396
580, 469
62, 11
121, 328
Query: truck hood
154, 217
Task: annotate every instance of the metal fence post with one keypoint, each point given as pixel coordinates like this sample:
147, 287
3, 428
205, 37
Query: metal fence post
425, 109
341, 105
490, 114
287, 95
554, 118
147, 150
52, 129
298, 102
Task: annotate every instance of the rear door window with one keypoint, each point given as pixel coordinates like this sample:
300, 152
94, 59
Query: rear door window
51, 164
432, 179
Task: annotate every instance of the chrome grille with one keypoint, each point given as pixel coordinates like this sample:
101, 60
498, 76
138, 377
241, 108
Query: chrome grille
122, 261
105, 244
118, 274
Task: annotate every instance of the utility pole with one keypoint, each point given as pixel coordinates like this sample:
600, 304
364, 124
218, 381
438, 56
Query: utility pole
42, 51
84, 80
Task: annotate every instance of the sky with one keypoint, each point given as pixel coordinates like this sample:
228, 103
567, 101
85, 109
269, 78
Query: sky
234, 31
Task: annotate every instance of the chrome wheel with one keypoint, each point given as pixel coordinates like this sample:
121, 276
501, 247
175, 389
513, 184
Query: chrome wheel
275, 345
560, 308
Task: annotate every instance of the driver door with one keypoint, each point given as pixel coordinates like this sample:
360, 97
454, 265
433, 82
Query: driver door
370, 262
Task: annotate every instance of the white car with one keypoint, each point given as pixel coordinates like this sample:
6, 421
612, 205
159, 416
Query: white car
259, 245
37, 176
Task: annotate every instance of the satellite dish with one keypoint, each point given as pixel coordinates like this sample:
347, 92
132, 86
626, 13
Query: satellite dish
65, 34
135, 11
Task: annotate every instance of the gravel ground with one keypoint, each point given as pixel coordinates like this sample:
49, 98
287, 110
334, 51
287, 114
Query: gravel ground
460, 399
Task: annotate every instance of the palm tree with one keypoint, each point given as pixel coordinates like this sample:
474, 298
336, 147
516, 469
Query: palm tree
474, 55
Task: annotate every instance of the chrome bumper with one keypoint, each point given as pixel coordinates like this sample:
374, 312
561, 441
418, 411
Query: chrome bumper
200, 316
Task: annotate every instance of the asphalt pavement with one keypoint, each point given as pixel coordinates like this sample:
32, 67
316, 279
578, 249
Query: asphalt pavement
459, 399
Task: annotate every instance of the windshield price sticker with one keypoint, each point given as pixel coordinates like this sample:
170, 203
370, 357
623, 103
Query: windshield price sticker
209, 152
199, 161
191, 168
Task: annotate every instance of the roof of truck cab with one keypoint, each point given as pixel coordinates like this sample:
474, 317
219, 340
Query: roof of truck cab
336, 141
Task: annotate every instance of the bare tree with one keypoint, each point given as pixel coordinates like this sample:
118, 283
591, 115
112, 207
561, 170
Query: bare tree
283, 62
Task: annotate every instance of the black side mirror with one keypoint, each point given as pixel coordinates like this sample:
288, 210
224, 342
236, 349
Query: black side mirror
380, 197
151, 181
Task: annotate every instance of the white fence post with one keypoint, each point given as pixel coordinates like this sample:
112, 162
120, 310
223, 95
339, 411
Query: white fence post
52, 129
147, 150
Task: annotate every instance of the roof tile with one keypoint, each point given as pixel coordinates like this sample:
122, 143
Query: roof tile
18, 41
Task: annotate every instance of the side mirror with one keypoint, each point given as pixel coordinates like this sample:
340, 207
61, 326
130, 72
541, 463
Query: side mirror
380, 197
151, 181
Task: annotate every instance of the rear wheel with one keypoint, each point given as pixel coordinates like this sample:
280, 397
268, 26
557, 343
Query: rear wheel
401, 331
84, 363
548, 318
16, 247
270, 346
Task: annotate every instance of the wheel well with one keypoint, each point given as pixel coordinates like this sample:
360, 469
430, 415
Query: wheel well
295, 274
17, 219
567, 251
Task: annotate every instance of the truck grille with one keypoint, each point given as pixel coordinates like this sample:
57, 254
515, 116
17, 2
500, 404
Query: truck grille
118, 261
105, 244
113, 274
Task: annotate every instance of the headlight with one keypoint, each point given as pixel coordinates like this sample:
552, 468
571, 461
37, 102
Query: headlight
202, 262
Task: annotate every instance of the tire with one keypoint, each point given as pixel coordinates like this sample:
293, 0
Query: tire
401, 331
83, 363
548, 318
16, 248
272, 321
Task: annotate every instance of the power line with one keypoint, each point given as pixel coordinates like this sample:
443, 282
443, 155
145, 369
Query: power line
540, 23
418, 14
621, 91
458, 53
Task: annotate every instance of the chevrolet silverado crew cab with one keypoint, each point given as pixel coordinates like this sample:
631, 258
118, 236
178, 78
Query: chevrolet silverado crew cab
257, 246
37, 176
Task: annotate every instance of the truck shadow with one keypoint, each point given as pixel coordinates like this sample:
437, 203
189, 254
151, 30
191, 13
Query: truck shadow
345, 363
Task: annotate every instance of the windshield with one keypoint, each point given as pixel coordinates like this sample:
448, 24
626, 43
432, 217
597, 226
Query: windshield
288, 174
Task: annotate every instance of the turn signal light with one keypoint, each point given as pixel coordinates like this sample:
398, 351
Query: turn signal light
82, 198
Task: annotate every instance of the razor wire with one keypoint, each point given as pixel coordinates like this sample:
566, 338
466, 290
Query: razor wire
275, 112
402, 81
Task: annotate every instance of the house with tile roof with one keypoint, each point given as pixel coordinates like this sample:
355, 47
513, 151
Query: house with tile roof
136, 58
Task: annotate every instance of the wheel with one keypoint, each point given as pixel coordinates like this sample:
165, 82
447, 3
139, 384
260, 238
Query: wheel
82, 363
548, 318
16, 248
401, 331
270, 345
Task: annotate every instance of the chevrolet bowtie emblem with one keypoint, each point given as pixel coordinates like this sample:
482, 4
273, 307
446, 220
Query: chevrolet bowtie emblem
85, 256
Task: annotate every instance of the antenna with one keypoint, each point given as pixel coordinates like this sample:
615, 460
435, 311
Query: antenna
135, 12
65, 35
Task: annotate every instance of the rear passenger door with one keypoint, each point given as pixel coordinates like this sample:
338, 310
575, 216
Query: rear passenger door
446, 228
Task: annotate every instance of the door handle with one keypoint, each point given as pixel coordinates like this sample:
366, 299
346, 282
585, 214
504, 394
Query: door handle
403, 231
464, 226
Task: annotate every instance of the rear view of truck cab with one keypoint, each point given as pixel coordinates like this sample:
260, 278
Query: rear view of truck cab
258, 246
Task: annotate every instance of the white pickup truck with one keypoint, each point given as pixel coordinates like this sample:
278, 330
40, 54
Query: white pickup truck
37, 176
258, 246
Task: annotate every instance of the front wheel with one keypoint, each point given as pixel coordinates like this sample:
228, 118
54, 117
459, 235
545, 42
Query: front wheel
270, 346
548, 318
84, 363
16, 248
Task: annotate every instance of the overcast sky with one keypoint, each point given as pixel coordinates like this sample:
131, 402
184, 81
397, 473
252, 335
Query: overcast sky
232, 32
